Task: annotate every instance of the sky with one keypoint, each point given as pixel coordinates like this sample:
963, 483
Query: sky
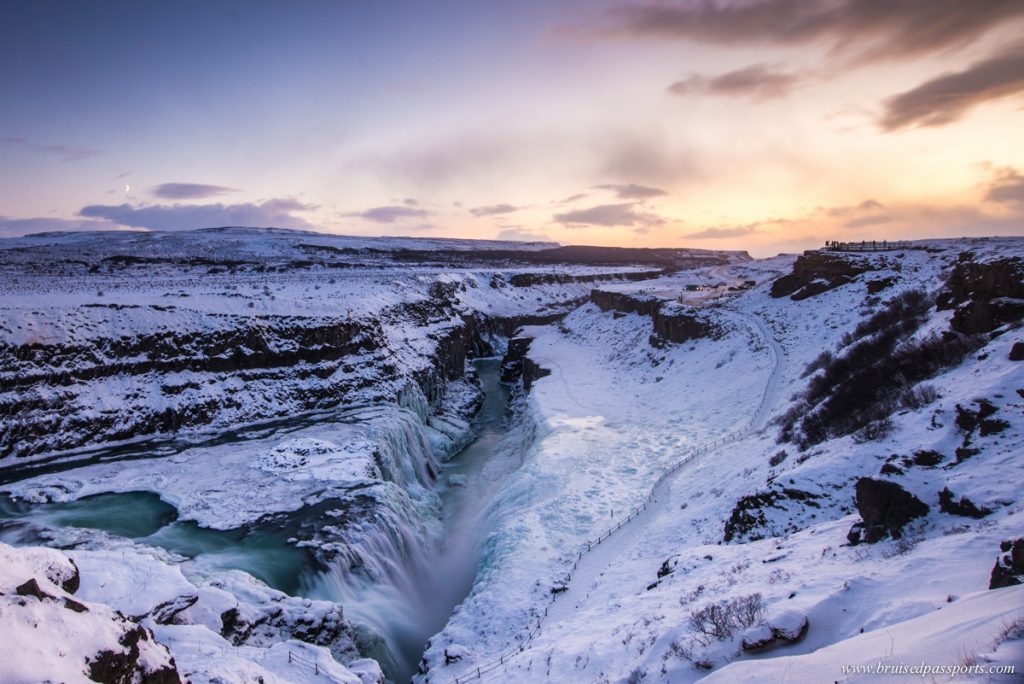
765, 125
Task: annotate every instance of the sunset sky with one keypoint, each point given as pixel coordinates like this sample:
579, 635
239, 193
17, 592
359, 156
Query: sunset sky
767, 125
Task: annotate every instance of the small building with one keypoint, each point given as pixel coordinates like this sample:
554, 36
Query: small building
693, 287
749, 283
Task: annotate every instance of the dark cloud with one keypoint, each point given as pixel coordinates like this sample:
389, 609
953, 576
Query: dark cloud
631, 191
873, 220
494, 210
867, 29
519, 234
67, 153
609, 215
390, 214
276, 212
757, 81
185, 191
1007, 188
723, 232
947, 98
411, 202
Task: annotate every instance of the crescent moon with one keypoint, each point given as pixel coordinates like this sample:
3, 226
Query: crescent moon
127, 188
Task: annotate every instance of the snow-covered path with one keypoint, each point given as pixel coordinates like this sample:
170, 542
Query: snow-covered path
593, 562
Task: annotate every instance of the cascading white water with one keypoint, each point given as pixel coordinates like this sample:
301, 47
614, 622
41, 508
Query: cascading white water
404, 548
404, 586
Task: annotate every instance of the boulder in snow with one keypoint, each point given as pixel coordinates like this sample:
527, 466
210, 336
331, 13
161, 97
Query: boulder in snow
1009, 568
786, 628
885, 508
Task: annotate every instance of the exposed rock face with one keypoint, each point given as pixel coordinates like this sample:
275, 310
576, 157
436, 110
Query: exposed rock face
671, 322
531, 279
964, 507
226, 370
885, 508
124, 667
817, 272
984, 295
677, 324
507, 326
624, 303
1009, 567
1017, 351
748, 521
787, 628
517, 365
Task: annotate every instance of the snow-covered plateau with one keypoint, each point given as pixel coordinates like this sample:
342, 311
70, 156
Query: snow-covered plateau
242, 455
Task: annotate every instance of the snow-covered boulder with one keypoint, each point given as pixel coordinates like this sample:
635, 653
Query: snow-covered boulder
786, 628
50, 636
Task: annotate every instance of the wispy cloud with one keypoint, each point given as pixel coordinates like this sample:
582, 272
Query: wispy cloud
279, 213
947, 98
864, 221
390, 214
572, 198
631, 191
520, 234
186, 191
611, 215
67, 153
757, 81
719, 232
494, 210
865, 29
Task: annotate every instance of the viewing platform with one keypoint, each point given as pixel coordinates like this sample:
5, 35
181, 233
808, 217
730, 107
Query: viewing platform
866, 246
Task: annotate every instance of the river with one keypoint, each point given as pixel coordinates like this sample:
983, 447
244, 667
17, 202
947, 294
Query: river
405, 611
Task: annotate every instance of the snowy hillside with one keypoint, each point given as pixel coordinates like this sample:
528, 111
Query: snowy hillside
252, 443
753, 524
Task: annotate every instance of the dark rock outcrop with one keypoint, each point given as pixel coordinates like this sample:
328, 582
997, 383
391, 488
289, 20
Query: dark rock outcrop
1017, 351
671, 322
816, 272
679, 324
124, 667
964, 507
885, 508
1009, 567
517, 365
625, 303
508, 326
532, 279
985, 295
31, 588
748, 515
